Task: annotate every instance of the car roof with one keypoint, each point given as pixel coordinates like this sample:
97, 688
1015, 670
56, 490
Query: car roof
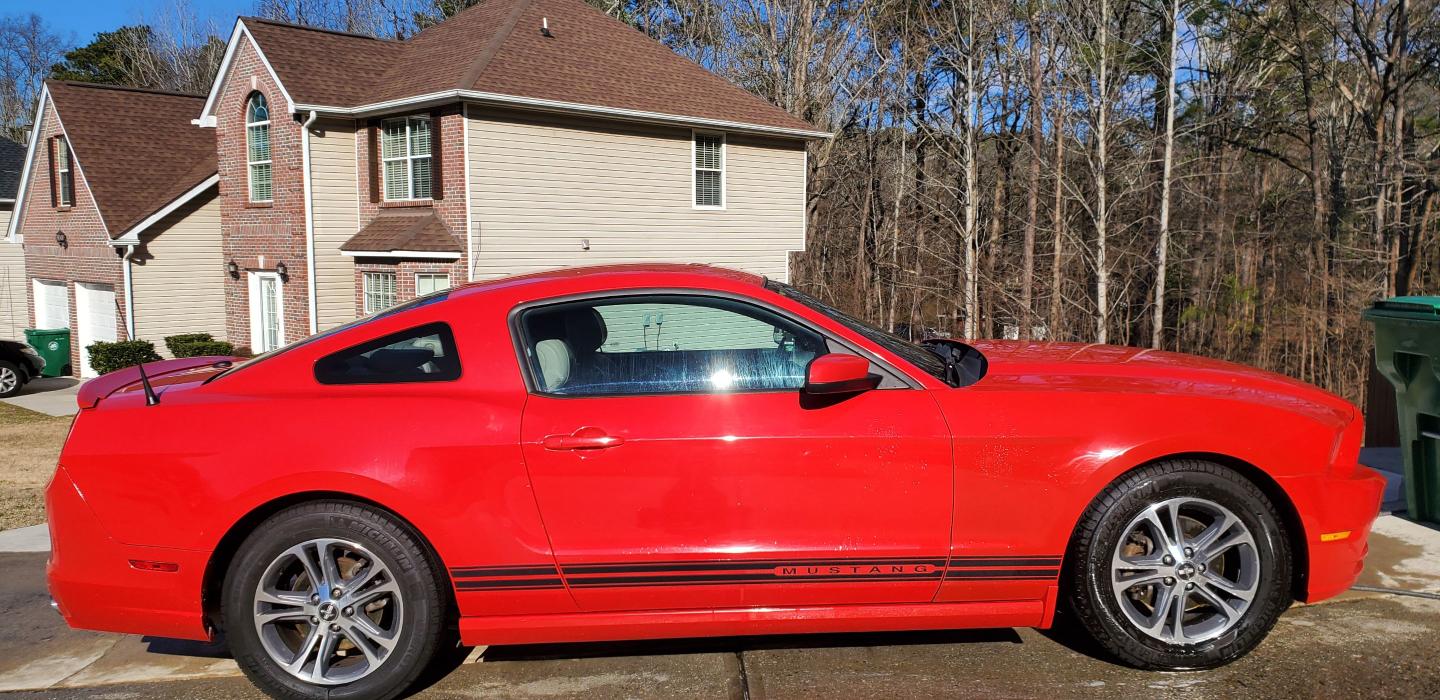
619, 276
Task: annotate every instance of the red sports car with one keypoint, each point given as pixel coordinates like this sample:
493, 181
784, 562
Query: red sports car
674, 451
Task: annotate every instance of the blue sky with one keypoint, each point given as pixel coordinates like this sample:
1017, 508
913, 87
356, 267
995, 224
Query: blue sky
77, 21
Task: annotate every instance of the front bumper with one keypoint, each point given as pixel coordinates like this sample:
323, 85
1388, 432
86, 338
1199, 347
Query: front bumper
94, 585
1336, 514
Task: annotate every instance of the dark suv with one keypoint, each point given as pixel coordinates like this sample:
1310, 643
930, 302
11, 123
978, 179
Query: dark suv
19, 363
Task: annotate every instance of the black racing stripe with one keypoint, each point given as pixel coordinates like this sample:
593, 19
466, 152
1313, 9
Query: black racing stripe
1003, 573
743, 578
482, 572
510, 584
740, 565
972, 563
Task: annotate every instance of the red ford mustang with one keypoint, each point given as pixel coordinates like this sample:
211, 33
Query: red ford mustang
668, 450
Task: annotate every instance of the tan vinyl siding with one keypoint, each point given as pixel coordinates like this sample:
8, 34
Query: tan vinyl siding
540, 185
179, 275
335, 196
14, 304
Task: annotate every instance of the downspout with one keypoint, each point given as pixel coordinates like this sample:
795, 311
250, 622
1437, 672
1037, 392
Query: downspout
129, 291
309, 219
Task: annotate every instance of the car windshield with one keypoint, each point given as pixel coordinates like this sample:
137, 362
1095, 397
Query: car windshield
414, 304
917, 355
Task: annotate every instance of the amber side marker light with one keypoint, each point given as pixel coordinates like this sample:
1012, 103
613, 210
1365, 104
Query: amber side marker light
1333, 536
161, 566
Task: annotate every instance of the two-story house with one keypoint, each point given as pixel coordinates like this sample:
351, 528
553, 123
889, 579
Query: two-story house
354, 173
118, 217
518, 135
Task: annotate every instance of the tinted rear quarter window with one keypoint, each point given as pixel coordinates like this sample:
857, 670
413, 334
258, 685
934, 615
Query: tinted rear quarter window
421, 354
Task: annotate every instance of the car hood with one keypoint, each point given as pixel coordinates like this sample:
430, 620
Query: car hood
1094, 367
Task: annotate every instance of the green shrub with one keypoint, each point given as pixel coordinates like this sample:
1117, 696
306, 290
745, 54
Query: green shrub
108, 357
202, 348
178, 344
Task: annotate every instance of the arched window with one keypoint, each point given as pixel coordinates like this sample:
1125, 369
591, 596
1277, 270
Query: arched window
257, 142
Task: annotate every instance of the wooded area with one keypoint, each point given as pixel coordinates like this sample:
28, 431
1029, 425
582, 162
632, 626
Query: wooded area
1235, 179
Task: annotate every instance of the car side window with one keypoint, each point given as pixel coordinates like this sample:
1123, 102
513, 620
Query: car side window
664, 345
421, 354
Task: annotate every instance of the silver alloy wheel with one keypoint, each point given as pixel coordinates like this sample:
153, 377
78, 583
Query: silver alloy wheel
328, 611
1185, 570
8, 380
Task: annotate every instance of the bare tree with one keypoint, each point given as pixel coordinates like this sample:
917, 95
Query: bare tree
27, 50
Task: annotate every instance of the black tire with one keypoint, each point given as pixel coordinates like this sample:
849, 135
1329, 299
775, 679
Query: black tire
423, 615
1090, 590
21, 377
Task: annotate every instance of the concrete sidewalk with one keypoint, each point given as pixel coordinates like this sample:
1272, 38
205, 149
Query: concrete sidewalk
1379, 640
53, 396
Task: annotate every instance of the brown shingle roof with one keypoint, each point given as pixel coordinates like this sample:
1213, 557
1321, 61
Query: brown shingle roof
497, 47
416, 230
136, 148
319, 66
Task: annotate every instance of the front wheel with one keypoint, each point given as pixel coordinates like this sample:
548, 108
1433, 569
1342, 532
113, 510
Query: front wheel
12, 379
333, 600
1180, 565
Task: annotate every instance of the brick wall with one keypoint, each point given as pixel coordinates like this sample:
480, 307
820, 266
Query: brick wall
87, 255
449, 206
405, 271
250, 231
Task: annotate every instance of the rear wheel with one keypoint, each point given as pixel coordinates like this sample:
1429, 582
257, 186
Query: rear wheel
333, 600
1180, 565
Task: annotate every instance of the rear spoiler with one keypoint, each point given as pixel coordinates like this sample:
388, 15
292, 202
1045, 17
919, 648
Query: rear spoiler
106, 384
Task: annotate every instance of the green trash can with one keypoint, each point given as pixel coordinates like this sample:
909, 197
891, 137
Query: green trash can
1407, 352
53, 344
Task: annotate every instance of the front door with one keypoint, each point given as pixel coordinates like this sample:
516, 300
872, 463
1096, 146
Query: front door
267, 320
678, 465
95, 314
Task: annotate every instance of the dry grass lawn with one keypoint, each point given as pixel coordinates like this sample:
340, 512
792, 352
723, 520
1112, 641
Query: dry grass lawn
29, 448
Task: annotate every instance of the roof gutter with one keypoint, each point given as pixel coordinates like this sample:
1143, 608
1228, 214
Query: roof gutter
532, 103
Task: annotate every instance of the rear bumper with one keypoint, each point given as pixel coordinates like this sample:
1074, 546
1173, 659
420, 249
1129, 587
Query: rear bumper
1336, 513
94, 585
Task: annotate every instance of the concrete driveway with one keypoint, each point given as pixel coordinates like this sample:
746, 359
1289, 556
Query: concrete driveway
1380, 641
54, 396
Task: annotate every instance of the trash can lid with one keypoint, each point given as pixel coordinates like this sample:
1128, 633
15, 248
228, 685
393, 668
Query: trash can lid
1424, 307
47, 331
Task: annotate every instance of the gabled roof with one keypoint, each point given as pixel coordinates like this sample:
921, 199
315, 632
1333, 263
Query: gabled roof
12, 160
402, 231
590, 63
137, 149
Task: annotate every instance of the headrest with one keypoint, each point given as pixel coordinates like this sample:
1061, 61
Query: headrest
582, 327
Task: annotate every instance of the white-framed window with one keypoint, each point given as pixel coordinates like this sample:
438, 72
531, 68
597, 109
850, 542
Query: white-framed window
64, 173
708, 150
257, 147
430, 282
379, 291
405, 155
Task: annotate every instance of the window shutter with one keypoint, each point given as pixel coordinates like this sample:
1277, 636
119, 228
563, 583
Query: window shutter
373, 129
54, 173
437, 148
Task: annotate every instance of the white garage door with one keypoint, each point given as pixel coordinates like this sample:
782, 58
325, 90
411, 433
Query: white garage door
52, 304
95, 312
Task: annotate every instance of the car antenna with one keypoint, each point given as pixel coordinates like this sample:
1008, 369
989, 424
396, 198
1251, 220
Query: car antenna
151, 398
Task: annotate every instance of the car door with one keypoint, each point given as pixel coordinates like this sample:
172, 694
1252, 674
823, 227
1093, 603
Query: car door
678, 464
